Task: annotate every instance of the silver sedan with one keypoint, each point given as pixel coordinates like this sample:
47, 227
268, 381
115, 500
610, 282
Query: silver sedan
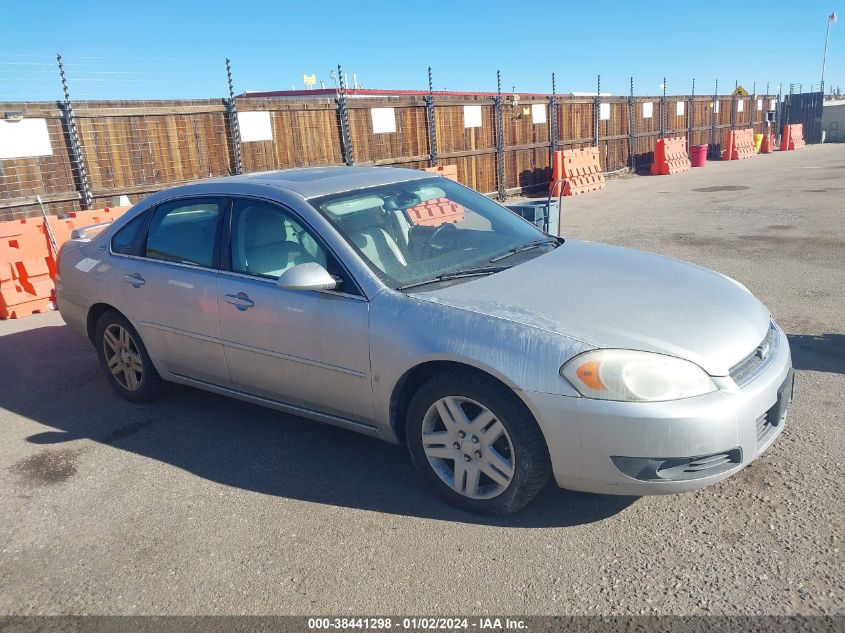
413, 309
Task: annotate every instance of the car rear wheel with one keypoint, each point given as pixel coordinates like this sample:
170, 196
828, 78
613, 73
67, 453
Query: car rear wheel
476, 442
125, 360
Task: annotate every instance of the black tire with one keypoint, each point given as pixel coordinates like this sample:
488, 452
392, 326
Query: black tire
531, 456
150, 383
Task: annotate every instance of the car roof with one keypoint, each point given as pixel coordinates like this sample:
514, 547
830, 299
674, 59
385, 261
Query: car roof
313, 182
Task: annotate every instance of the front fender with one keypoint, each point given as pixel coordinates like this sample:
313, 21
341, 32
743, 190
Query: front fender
407, 332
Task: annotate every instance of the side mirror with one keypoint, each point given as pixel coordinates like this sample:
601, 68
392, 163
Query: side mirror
310, 276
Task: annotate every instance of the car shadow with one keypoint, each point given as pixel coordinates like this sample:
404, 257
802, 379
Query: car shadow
55, 380
818, 352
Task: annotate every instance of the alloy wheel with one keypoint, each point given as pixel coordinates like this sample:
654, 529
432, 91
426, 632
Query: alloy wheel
468, 447
122, 357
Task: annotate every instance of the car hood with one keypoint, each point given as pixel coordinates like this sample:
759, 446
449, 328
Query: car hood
613, 297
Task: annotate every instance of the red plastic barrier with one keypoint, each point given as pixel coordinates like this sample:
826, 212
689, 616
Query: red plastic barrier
27, 260
739, 145
670, 156
25, 282
436, 212
447, 171
580, 168
793, 137
768, 144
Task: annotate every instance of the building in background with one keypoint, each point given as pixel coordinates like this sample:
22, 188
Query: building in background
833, 121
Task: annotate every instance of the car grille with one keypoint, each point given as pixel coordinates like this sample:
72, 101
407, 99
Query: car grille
750, 367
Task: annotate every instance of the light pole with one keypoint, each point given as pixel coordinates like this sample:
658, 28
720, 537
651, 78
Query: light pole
830, 20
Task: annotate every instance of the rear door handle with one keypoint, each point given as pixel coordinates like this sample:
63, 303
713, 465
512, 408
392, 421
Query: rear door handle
135, 279
241, 301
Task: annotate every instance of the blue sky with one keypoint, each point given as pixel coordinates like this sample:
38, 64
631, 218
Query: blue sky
158, 49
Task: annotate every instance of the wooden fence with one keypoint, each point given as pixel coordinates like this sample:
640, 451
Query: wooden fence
138, 147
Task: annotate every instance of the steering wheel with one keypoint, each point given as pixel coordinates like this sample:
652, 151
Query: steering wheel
432, 247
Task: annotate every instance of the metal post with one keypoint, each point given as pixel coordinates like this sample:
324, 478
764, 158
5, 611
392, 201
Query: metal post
76, 153
632, 136
234, 124
787, 105
597, 108
752, 107
432, 122
691, 115
500, 137
343, 115
553, 114
663, 111
832, 18
733, 106
713, 116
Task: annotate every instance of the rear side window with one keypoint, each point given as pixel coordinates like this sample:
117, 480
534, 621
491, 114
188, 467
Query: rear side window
185, 231
127, 240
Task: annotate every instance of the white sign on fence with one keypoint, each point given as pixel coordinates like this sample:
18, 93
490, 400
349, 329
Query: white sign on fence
472, 116
538, 113
648, 109
740, 105
759, 104
24, 139
717, 106
679, 108
384, 120
255, 126
604, 111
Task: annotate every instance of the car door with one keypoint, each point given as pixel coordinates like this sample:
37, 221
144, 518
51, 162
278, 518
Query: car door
305, 348
170, 288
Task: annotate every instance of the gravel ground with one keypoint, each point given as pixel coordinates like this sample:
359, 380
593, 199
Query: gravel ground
197, 504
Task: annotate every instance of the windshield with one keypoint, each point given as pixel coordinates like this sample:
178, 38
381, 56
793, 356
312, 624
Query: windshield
412, 232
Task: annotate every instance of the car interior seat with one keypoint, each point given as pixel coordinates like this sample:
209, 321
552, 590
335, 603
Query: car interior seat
370, 232
267, 250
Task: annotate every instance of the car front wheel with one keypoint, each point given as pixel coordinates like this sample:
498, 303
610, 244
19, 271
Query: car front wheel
125, 360
476, 442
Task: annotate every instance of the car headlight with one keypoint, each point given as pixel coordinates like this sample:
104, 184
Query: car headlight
631, 376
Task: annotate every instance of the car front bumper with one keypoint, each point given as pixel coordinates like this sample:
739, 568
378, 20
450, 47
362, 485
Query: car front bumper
629, 448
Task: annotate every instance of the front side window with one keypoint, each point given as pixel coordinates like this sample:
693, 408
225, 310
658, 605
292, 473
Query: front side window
411, 232
185, 231
267, 241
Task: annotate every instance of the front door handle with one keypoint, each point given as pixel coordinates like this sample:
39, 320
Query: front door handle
241, 301
135, 279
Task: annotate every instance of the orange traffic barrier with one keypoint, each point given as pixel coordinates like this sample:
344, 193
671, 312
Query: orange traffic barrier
581, 170
27, 260
793, 137
435, 212
25, 282
739, 144
768, 144
447, 171
670, 156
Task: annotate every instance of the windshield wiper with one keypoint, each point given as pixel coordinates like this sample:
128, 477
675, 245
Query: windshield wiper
525, 247
458, 274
